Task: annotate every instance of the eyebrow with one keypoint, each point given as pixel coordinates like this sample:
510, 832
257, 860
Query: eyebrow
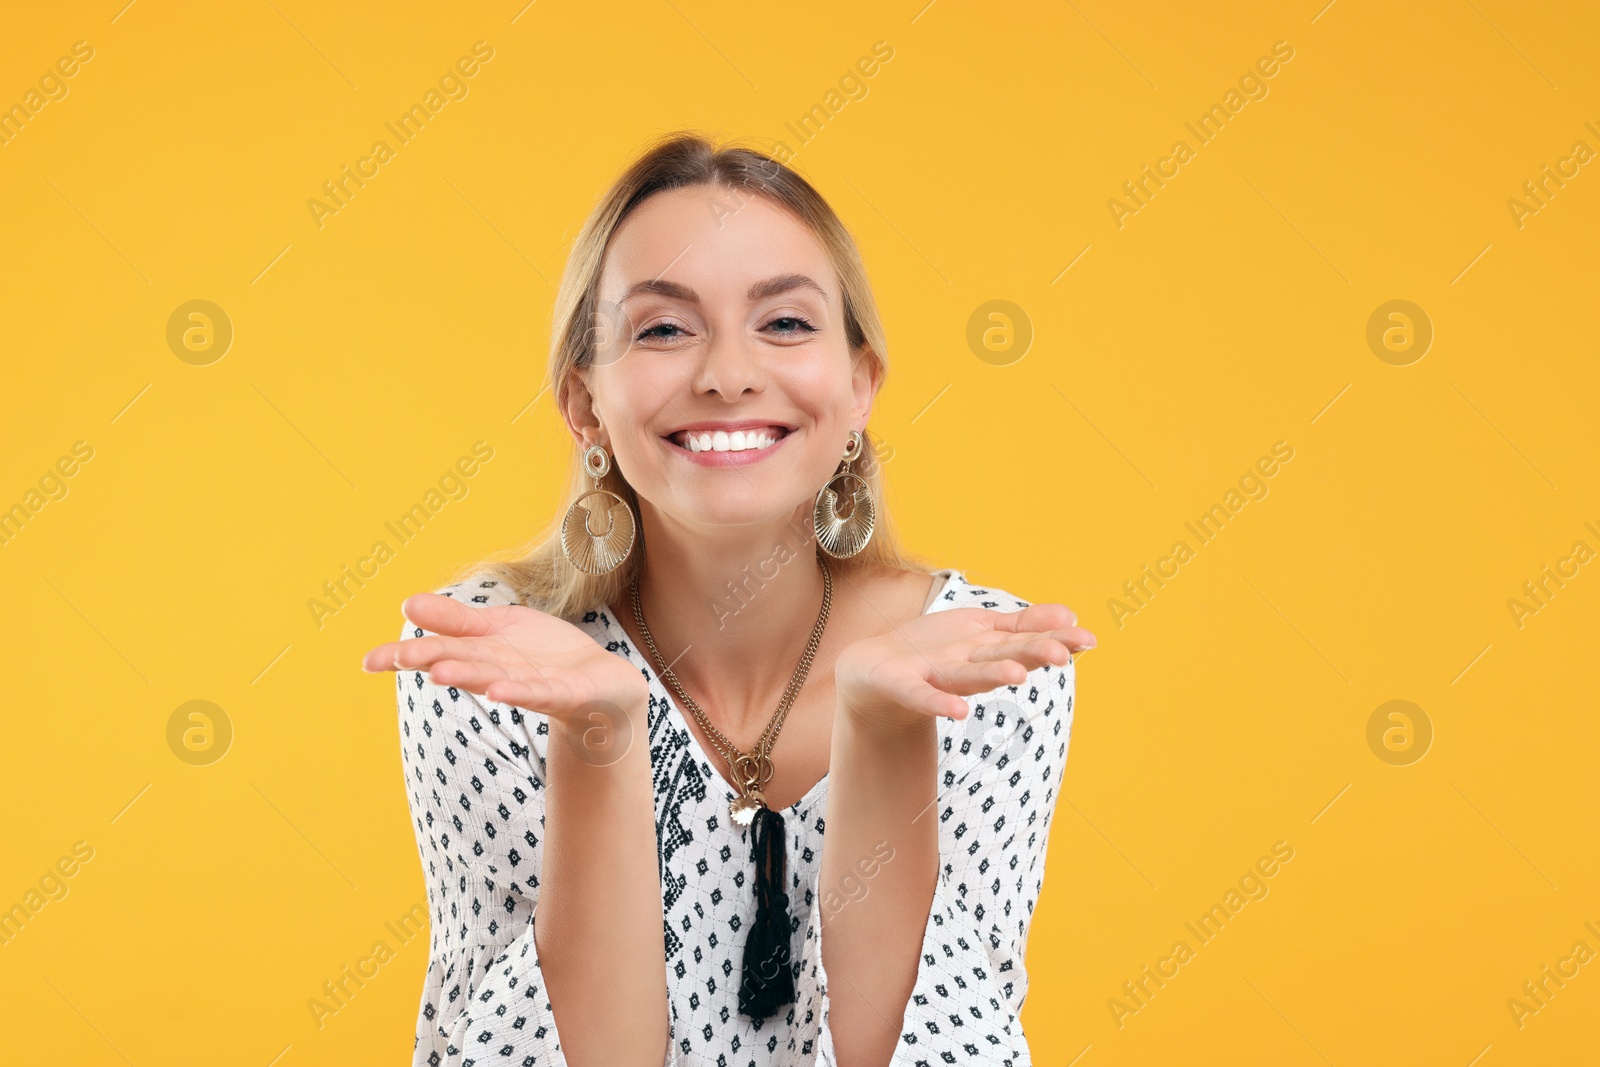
782, 283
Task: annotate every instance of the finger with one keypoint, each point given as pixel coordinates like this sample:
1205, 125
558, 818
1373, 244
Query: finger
380, 658
931, 700
1036, 650
531, 695
1036, 617
393, 656
446, 615
420, 652
414, 652
1075, 638
970, 679
472, 676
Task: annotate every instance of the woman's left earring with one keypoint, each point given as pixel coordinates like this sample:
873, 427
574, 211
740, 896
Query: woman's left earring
586, 548
842, 536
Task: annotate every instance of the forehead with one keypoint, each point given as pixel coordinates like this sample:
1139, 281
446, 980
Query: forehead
715, 240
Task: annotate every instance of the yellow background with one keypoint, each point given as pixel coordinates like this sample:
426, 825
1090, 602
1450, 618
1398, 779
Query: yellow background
1227, 314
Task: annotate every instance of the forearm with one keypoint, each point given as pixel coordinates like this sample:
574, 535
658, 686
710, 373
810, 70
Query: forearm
598, 921
882, 782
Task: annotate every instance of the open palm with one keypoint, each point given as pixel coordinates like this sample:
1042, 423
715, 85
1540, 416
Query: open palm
925, 667
512, 655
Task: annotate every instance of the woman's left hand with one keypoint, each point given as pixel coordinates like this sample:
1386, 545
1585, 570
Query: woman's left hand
925, 667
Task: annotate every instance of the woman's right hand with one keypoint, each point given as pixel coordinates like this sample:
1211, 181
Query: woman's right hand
513, 655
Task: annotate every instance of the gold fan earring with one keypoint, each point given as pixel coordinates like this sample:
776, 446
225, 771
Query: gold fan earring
591, 550
844, 535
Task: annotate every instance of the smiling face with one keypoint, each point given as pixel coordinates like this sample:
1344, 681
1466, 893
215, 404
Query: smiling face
723, 383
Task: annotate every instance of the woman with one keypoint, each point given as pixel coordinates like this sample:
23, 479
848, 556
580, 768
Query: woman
623, 747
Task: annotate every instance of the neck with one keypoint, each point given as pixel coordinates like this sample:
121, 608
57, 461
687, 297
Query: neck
731, 615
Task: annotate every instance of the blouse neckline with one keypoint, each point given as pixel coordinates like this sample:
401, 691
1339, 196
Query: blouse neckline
679, 718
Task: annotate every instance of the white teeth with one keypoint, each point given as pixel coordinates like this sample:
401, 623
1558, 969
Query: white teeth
722, 441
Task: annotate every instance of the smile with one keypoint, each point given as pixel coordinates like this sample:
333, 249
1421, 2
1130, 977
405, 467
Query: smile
721, 448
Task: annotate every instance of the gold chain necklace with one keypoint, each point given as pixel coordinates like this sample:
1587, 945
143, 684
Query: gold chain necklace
753, 770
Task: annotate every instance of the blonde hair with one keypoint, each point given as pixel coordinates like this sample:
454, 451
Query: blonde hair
538, 573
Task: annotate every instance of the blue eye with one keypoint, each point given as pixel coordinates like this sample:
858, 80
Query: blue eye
796, 325
783, 326
650, 333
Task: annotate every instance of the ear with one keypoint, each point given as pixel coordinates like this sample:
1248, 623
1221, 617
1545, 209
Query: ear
866, 376
577, 410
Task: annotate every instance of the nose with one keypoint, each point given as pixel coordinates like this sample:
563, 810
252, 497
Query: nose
730, 365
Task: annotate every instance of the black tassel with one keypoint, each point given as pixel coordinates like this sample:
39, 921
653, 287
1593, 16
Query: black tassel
768, 968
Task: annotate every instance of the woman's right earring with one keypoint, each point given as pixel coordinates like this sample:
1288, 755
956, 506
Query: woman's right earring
844, 537
597, 551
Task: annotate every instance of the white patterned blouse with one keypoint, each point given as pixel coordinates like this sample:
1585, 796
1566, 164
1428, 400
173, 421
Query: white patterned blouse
475, 772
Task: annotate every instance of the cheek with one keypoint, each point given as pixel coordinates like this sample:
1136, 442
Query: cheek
818, 384
630, 395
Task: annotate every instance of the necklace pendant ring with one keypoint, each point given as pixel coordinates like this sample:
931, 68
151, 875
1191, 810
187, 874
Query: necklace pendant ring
753, 770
